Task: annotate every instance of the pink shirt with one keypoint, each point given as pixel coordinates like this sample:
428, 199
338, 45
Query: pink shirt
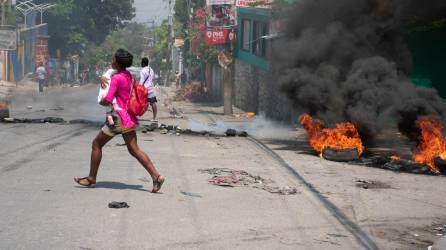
120, 85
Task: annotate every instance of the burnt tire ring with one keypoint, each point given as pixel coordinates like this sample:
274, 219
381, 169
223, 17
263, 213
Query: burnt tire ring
340, 155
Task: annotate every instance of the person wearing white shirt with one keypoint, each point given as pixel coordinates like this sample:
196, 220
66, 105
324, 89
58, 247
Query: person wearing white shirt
146, 79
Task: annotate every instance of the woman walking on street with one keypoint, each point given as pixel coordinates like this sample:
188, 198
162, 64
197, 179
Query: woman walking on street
120, 86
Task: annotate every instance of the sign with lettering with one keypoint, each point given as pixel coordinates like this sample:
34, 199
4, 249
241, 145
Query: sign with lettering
255, 3
221, 13
8, 40
216, 37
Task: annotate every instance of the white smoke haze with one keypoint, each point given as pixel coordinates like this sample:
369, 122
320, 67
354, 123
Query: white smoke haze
77, 103
259, 127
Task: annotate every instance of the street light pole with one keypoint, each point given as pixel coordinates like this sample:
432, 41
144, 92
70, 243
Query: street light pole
3, 11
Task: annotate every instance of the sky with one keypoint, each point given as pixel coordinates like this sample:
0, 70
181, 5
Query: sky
151, 9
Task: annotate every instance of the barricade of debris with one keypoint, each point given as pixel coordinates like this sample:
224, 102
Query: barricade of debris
193, 92
173, 129
397, 165
226, 177
56, 120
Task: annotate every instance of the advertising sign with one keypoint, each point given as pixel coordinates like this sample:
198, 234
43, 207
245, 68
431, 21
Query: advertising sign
221, 13
216, 37
8, 40
255, 3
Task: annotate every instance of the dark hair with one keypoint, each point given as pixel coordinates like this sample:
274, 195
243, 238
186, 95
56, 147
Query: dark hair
144, 62
123, 58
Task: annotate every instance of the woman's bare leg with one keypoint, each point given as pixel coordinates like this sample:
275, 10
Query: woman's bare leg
96, 156
132, 145
154, 110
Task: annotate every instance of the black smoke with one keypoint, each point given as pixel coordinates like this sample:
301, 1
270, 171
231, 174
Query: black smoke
348, 60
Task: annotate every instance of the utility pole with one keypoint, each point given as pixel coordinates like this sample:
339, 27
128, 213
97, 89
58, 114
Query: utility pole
169, 41
228, 78
3, 11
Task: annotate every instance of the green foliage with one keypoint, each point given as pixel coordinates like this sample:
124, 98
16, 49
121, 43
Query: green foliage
131, 37
158, 56
189, 31
74, 23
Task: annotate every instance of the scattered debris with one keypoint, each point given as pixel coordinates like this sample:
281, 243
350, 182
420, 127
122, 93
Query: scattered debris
403, 165
38, 120
226, 177
192, 92
441, 164
191, 194
116, 204
243, 134
151, 127
231, 132
57, 109
370, 184
87, 122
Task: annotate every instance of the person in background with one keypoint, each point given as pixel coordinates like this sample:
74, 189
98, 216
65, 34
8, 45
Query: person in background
177, 79
146, 79
41, 75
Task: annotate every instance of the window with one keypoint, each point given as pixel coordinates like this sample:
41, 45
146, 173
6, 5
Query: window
246, 31
259, 43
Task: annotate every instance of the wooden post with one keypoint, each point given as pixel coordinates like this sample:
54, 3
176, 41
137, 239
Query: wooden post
227, 90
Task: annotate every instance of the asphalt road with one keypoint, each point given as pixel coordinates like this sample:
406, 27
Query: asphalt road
42, 208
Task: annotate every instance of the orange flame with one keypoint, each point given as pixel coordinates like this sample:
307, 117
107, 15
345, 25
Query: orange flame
395, 158
431, 143
344, 136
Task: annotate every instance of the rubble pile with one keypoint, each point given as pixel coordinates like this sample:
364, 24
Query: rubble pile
176, 130
226, 177
397, 165
55, 120
192, 92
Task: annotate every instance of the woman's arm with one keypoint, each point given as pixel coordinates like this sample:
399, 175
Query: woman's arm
108, 99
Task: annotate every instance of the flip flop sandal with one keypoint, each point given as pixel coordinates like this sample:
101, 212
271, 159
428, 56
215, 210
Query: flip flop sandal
158, 183
90, 183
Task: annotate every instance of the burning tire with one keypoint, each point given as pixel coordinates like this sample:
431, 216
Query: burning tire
340, 155
4, 111
441, 164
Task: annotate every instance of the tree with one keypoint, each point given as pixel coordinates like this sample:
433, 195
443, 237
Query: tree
130, 37
159, 51
75, 23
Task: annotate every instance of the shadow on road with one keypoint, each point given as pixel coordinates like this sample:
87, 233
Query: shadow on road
120, 186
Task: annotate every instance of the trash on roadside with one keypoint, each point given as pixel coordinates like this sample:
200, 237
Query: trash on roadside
226, 177
116, 204
250, 114
231, 132
57, 109
191, 194
372, 184
243, 134
37, 120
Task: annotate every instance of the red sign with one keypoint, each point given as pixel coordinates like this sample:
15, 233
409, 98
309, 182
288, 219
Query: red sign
254, 3
215, 37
